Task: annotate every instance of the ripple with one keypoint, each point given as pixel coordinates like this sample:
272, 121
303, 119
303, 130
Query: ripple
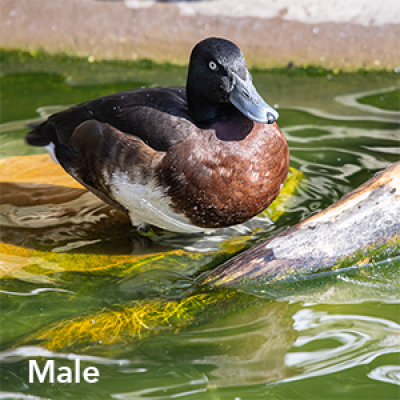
188, 388
386, 373
342, 341
298, 133
47, 215
36, 291
28, 352
351, 100
20, 396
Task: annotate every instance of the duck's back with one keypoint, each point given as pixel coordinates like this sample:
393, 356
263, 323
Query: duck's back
158, 116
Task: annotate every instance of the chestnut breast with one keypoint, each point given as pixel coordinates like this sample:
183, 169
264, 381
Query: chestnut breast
223, 176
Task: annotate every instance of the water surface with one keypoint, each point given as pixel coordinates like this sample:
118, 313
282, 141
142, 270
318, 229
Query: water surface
77, 281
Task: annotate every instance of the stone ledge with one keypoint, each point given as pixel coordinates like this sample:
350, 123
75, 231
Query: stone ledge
362, 37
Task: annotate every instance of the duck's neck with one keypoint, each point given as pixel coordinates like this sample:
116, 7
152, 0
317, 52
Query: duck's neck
203, 111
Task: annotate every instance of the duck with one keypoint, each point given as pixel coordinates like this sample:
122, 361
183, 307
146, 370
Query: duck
185, 159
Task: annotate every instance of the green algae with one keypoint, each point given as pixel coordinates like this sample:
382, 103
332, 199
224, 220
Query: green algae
293, 279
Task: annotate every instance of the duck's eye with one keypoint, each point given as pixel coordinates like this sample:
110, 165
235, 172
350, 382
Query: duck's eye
213, 66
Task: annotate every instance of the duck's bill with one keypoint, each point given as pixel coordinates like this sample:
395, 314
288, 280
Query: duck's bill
246, 99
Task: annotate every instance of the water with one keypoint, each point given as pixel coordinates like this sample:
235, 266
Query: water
78, 282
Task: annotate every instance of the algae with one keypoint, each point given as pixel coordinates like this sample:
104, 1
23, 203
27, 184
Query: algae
131, 322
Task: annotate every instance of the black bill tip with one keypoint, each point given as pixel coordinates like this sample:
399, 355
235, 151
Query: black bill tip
271, 118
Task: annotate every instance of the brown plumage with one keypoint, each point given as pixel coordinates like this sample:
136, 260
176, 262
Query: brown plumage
220, 183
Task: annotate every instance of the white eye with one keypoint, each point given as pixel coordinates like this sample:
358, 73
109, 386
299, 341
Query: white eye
213, 66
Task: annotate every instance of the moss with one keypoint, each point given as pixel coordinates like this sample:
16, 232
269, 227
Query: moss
40, 57
26, 57
315, 70
133, 321
370, 255
289, 276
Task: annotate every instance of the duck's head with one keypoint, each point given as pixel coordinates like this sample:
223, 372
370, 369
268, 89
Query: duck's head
218, 79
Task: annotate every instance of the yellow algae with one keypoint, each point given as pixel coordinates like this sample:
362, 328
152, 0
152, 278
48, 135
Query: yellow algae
119, 326
235, 243
18, 262
48, 263
10, 249
15, 262
14, 259
277, 208
363, 262
10, 264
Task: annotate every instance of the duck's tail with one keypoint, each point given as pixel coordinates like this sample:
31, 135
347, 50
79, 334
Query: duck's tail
42, 134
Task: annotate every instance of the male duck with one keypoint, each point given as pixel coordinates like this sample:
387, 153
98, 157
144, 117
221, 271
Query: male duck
184, 159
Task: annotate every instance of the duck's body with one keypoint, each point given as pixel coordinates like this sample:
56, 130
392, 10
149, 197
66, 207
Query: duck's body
171, 158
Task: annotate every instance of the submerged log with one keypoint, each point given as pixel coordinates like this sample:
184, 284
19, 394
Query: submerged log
367, 216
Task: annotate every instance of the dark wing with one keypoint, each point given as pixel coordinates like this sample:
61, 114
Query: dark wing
158, 116
97, 150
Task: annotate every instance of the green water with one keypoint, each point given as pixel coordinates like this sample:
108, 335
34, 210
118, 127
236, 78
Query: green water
82, 278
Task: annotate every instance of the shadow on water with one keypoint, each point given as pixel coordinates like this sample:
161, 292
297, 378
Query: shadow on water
77, 281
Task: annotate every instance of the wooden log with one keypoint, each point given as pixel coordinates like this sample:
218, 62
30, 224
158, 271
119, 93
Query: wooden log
367, 216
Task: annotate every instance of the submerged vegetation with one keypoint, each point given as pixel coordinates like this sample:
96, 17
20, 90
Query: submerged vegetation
133, 321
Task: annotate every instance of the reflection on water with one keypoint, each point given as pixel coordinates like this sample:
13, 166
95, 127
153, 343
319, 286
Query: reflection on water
356, 100
78, 282
386, 373
338, 342
61, 219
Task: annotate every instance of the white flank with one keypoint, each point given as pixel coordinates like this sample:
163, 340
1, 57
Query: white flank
148, 204
50, 149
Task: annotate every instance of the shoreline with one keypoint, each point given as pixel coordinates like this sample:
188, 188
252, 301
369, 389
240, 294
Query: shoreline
166, 32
